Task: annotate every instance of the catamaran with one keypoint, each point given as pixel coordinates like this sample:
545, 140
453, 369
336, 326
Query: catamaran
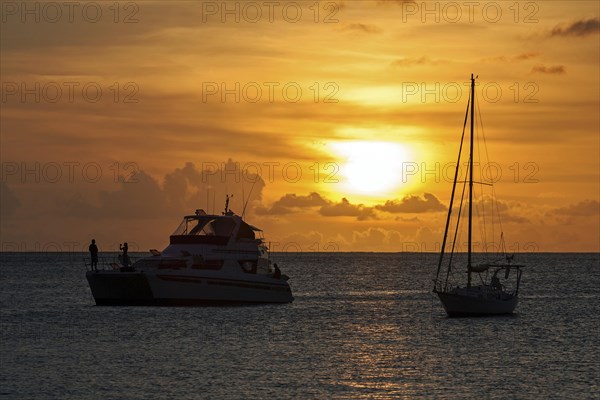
210, 259
487, 290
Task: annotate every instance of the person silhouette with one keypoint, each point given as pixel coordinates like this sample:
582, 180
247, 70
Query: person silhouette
125, 248
94, 254
277, 273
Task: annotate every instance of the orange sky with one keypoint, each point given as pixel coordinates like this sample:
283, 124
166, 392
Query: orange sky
117, 120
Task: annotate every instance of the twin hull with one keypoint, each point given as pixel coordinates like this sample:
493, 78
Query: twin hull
166, 288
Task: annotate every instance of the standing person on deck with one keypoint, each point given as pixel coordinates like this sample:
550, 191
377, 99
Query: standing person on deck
94, 254
125, 260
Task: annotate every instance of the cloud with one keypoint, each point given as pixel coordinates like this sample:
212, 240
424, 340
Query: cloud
504, 211
514, 218
425, 235
413, 204
345, 209
585, 208
526, 56
408, 62
139, 199
581, 28
361, 28
184, 190
378, 239
515, 58
371, 235
554, 69
307, 242
291, 203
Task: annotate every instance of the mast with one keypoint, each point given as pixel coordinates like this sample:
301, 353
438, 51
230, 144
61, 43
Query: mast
471, 181
462, 139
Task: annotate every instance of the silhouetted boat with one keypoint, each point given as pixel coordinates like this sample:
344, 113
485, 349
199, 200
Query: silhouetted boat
490, 296
210, 259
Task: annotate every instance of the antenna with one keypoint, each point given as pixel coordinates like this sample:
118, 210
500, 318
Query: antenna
248, 199
227, 197
243, 196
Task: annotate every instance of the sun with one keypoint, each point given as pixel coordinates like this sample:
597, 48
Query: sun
370, 168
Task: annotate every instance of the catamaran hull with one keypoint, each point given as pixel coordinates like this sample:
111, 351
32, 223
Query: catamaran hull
457, 305
139, 288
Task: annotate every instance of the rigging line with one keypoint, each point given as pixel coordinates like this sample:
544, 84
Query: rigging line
487, 156
482, 216
483, 133
462, 197
248, 199
481, 227
498, 212
453, 191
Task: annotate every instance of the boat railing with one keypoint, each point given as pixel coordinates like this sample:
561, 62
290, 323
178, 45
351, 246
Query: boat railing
109, 263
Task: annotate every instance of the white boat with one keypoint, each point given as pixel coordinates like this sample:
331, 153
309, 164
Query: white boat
493, 294
211, 259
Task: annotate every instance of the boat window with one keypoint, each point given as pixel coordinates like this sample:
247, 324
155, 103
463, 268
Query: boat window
222, 226
208, 226
200, 227
181, 229
245, 232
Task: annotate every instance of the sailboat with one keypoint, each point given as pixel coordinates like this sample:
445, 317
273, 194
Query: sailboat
488, 290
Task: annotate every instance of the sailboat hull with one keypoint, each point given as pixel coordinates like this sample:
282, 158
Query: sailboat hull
470, 303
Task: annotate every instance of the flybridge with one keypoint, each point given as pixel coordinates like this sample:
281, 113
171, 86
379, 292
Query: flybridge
214, 229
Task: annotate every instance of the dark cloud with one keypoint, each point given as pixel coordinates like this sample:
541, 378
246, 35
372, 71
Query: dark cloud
505, 212
183, 191
526, 56
413, 204
291, 203
554, 69
345, 209
293, 200
585, 208
405, 62
361, 28
515, 58
418, 61
138, 199
581, 28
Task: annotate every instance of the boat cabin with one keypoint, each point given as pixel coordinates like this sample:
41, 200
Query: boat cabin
214, 229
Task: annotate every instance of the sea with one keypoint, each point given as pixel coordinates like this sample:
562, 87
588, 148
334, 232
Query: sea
362, 326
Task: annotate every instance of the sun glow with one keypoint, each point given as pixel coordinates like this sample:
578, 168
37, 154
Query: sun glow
370, 168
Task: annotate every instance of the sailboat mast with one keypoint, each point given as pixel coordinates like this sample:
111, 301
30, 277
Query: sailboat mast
450, 207
471, 181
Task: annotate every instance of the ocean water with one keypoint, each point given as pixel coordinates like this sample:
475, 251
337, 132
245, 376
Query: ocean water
363, 325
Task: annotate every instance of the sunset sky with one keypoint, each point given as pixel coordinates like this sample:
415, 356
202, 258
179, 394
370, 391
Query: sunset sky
339, 120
